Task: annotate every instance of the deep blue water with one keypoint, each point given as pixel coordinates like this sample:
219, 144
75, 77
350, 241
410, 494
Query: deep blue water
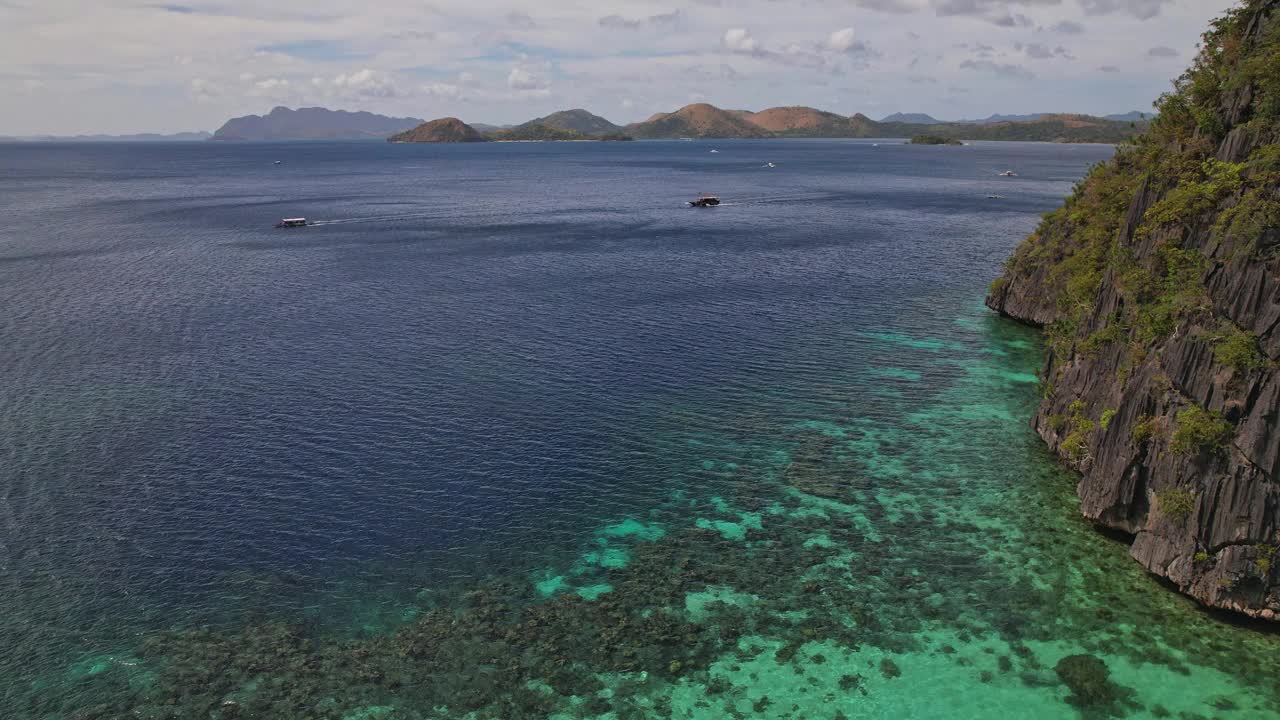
190, 392
480, 356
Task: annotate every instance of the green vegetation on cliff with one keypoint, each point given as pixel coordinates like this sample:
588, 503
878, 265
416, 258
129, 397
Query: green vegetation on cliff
1082, 242
1199, 431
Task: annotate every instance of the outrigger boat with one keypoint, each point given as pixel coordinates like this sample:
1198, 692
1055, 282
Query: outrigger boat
1008, 173
292, 223
705, 201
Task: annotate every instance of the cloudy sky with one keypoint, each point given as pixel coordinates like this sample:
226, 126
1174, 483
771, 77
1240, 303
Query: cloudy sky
77, 66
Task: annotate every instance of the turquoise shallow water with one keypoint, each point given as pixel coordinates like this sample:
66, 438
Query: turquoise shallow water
911, 555
553, 460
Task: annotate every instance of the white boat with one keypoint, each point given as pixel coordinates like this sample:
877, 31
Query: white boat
715, 151
770, 165
1008, 173
292, 223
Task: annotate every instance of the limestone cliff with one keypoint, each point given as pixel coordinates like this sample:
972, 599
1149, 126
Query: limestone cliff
1158, 284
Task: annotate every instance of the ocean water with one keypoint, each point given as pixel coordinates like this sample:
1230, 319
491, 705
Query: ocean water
512, 433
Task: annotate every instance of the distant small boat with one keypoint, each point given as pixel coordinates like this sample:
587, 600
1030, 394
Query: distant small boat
705, 201
278, 162
715, 151
1008, 173
995, 197
770, 165
292, 223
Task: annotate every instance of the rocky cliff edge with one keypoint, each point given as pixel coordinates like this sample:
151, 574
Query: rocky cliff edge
1158, 284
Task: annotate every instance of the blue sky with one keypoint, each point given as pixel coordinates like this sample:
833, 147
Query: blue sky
71, 66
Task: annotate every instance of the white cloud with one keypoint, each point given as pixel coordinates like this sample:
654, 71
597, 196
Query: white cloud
1141, 9
739, 40
841, 40
442, 90
521, 78
270, 86
365, 83
505, 61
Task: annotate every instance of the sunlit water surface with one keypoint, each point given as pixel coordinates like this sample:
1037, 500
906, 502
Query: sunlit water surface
514, 433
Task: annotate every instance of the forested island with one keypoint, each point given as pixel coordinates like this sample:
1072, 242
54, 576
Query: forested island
933, 140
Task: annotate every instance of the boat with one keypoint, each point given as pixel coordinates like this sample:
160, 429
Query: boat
770, 165
292, 223
1008, 173
705, 201
277, 162
715, 151
995, 197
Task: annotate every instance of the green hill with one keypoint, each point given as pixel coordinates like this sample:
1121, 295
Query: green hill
579, 121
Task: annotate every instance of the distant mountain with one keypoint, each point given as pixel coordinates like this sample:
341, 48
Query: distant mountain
707, 121
1046, 128
313, 124
807, 122
997, 118
1004, 118
444, 130
697, 121
142, 137
545, 133
578, 120
537, 132
912, 119
1134, 116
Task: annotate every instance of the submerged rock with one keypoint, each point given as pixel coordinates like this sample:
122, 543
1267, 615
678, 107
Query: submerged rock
1091, 688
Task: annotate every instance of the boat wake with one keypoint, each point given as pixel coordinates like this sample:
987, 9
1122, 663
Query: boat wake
374, 219
767, 200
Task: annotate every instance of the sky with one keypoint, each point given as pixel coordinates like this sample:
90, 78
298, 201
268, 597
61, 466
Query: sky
125, 66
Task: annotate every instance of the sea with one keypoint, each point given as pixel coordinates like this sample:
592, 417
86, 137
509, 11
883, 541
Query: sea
511, 431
